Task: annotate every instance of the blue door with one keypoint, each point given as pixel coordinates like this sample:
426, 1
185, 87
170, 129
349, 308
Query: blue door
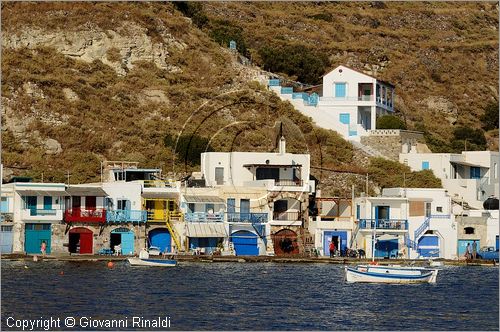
6, 237
345, 118
382, 212
339, 238
34, 235
245, 243
30, 204
462, 245
340, 90
428, 246
4, 206
160, 238
475, 172
386, 248
496, 244
245, 209
127, 243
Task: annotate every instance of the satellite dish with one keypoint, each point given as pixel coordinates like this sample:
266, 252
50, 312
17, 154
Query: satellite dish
457, 209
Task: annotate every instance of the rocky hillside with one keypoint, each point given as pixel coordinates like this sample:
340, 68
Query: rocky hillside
155, 82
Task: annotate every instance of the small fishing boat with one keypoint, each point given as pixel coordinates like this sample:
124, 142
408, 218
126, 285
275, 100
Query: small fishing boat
390, 274
136, 261
144, 260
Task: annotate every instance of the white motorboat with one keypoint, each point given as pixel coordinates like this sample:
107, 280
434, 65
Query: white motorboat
390, 274
144, 260
136, 261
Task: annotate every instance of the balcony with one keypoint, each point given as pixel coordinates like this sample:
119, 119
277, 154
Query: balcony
42, 214
288, 182
125, 216
246, 217
159, 184
162, 215
384, 224
97, 216
204, 217
292, 216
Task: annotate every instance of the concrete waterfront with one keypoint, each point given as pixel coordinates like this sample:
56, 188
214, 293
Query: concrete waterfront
254, 259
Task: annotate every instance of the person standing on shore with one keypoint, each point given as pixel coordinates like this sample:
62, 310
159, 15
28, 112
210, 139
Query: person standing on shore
474, 249
332, 248
467, 251
43, 248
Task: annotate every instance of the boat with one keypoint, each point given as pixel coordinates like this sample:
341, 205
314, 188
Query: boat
136, 261
144, 260
390, 274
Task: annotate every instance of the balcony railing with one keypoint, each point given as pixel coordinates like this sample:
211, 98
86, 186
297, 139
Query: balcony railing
292, 216
163, 215
86, 216
204, 217
42, 212
396, 224
158, 184
125, 216
246, 217
288, 182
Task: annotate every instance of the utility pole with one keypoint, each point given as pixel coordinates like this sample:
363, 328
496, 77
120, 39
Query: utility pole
366, 184
68, 177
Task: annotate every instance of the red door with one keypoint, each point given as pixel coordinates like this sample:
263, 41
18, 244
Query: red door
86, 243
90, 202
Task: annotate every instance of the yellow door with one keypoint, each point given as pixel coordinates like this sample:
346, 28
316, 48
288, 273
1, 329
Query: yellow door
159, 211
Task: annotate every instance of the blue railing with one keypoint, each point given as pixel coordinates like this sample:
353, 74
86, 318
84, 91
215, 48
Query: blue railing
286, 90
246, 217
124, 216
396, 224
43, 212
204, 217
422, 228
410, 243
313, 100
300, 95
274, 82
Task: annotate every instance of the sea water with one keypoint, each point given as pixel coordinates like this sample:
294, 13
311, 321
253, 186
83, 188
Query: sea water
242, 296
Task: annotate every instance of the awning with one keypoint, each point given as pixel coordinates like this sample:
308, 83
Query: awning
387, 237
156, 194
41, 192
86, 191
272, 165
203, 199
203, 229
468, 164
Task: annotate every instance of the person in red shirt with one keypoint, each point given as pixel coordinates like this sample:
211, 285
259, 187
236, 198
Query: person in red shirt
332, 249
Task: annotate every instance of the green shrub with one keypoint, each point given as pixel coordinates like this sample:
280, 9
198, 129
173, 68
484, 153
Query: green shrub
223, 32
474, 138
193, 10
390, 122
188, 147
490, 116
297, 60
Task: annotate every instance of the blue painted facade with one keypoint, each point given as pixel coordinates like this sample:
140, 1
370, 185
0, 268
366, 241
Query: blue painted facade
462, 245
4, 205
386, 248
339, 236
428, 246
6, 239
209, 243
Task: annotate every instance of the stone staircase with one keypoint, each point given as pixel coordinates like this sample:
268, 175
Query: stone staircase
306, 243
367, 149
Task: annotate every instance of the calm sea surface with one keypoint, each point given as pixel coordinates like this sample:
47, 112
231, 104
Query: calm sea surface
257, 296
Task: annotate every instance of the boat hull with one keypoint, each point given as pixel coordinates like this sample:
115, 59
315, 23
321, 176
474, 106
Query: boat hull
134, 261
390, 275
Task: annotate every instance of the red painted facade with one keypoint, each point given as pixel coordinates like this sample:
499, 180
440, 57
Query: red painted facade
96, 216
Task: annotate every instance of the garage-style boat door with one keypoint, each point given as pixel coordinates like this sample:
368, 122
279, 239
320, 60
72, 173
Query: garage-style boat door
125, 238
80, 240
6, 240
35, 234
160, 237
428, 246
245, 243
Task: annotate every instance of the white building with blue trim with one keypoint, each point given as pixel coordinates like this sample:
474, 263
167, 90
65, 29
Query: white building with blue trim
349, 103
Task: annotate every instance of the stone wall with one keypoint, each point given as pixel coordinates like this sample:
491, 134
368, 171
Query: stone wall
392, 142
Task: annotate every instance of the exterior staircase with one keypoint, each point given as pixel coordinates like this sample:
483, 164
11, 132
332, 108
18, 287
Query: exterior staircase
306, 243
354, 233
367, 149
422, 228
173, 232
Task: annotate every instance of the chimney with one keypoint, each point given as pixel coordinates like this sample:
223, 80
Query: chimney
282, 149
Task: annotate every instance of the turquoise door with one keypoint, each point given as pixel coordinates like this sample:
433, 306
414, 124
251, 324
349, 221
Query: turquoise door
34, 235
127, 243
462, 245
47, 202
30, 204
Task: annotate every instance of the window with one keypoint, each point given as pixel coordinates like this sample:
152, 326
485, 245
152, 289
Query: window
231, 204
123, 204
191, 207
30, 202
469, 230
219, 175
340, 90
345, 118
495, 170
475, 172
425, 165
439, 209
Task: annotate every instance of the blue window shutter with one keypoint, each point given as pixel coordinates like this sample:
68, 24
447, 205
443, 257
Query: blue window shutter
425, 165
475, 172
340, 90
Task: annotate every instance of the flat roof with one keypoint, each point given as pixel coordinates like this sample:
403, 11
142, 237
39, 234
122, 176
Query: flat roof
272, 165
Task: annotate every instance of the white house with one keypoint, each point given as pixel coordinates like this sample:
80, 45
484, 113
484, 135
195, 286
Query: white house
471, 176
432, 230
349, 103
284, 181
